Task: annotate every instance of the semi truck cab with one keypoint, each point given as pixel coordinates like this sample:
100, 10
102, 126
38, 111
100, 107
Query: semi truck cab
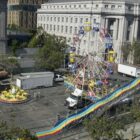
74, 98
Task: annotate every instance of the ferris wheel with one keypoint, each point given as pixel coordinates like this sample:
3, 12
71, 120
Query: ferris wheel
103, 42
92, 69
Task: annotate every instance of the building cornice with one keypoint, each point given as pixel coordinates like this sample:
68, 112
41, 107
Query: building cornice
100, 12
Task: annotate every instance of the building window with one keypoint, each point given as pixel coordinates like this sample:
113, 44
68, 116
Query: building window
97, 5
61, 29
48, 18
50, 27
84, 42
79, 6
76, 20
66, 29
51, 18
54, 18
94, 20
106, 6
70, 29
58, 19
81, 20
86, 19
130, 8
71, 19
69, 39
74, 6
47, 26
112, 6
119, 6
66, 19
58, 28
62, 19
75, 30
85, 5
54, 28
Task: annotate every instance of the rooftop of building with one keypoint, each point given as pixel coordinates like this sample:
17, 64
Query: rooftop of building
60, 1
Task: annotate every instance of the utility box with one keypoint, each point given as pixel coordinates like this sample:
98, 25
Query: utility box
31, 81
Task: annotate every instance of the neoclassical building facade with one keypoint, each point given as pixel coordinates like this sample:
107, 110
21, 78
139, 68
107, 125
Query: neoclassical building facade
121, 19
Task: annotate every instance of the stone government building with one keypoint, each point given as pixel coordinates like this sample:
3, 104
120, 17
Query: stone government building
64, 17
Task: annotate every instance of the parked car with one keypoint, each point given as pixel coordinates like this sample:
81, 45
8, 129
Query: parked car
58, 78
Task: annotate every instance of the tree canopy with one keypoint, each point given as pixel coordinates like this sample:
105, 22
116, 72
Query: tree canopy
51, 49
106, 127
131, 50
14, 133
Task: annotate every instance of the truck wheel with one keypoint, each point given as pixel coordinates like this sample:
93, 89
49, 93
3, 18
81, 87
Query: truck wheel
75, 107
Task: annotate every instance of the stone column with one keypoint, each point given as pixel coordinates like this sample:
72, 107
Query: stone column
136, 22
120, 29
3, 25
116, 29
121, 36
106, 23
102, 22
124, 29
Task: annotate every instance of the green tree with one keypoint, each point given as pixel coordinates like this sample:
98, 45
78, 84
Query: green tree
14, 133
104, 128
14, 46
11, 63
126, 49
133, 50
13, 27
33, 42
38, 38
136, 52
23, 45
135, 117
51, 49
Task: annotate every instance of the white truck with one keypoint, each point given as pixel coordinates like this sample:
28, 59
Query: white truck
31, 81
129, 70
72, 100
76, 100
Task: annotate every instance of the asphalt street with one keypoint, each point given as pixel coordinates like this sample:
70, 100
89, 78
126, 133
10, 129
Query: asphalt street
39, 113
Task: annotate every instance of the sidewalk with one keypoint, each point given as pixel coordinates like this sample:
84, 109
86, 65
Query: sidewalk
128, 133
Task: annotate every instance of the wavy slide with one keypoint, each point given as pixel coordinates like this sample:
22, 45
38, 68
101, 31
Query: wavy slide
125, 90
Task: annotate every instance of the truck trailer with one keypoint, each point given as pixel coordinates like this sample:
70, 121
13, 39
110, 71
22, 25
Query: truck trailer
130, 70
31, 81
